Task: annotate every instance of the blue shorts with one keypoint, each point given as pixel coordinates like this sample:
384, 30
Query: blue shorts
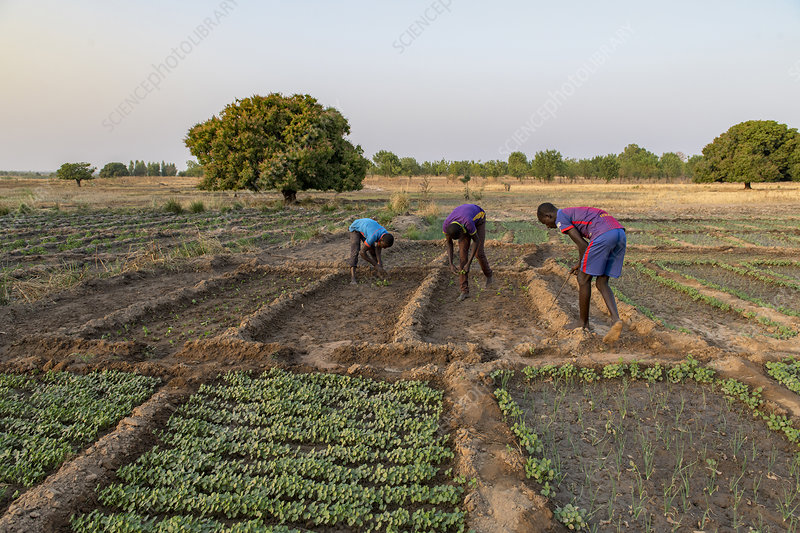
605, 254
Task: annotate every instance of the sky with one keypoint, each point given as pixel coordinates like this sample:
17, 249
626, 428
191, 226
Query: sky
114, 80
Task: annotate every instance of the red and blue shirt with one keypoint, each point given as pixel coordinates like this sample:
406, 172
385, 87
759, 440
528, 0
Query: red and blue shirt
371, 230
589, 221
466, 216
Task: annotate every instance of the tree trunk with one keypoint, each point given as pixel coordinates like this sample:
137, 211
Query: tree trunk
747, 185
78, 182
289, 197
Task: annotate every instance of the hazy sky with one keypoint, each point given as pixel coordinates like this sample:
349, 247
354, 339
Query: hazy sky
456, 79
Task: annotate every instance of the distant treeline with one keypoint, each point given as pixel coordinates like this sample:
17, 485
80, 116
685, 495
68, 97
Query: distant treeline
151, 168
633, 162
24, 174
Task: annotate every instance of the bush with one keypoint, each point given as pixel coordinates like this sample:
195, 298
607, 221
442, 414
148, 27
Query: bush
412, 233
429, 211
24, 209
173, 206
197, 207
399, 202
4, 210
384, 217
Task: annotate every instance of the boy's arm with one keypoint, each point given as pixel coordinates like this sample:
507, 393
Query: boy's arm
450, 255
379, 266
580, 242
365, 255
474, 250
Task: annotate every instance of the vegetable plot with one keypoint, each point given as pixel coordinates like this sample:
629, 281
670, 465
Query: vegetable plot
636, 448
46, 419
291, 450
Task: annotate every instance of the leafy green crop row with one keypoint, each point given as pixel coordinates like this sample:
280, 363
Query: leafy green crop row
787, 372
296, 450
44, 420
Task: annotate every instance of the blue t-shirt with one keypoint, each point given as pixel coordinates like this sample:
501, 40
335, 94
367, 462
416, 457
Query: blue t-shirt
371, 230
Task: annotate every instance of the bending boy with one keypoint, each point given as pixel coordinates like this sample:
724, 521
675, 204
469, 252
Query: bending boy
467, 223
375, 237
601, 247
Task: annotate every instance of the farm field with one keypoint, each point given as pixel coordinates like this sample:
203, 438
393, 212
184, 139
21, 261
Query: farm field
245, 385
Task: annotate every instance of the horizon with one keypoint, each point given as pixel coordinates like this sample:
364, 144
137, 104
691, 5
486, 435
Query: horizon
431, 79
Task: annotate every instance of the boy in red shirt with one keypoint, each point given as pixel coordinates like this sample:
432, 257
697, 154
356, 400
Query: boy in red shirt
601, 246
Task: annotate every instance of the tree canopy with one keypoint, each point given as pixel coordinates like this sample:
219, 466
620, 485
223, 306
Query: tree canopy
76, 171
285, 143
386, 163
113, 170
752, 151
637, 162
518, 165
548, 164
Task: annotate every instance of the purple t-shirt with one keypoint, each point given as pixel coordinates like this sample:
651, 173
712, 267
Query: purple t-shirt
465, 216
589, 221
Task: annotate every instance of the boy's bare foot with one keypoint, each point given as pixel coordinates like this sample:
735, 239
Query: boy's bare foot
577, 324
613, 333
463, 296
353, 282
489, 281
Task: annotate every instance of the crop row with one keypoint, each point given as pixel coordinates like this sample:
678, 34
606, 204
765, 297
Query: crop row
547, 470
44, 420
745, 295
786, 372
296, 450
780, 330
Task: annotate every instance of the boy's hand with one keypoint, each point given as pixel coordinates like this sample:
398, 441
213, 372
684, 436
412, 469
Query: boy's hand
453, 268
576, 268
381, 270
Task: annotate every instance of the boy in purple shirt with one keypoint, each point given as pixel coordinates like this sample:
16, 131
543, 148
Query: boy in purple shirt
375, 237
467, 223
601, 247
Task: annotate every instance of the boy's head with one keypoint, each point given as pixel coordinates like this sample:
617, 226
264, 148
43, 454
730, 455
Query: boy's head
546, 213
386, 240
453, 231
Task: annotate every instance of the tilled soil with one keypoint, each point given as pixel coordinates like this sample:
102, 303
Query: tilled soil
388, 331
340, 313
497, 318
99, 297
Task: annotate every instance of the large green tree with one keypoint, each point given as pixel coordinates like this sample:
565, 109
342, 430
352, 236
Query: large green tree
671, 165
387, 163
548, 164
752, 151
518, 165
76, 171
153, 168
637, 162
410, 167
113, 170
285, 143
139, 169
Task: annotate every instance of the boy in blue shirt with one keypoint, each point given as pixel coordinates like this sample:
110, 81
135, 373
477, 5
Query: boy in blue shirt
375, 237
